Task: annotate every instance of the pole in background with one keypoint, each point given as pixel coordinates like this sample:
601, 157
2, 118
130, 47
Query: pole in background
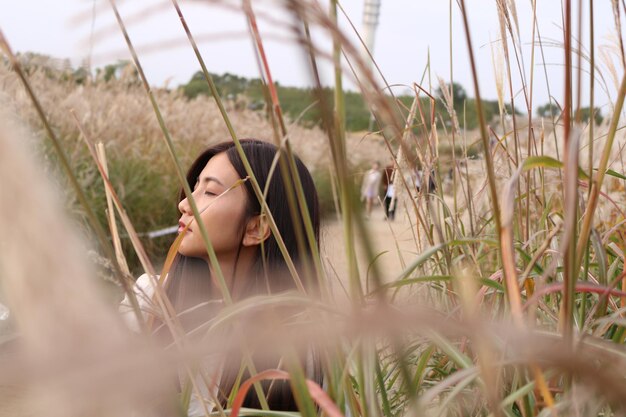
371, 14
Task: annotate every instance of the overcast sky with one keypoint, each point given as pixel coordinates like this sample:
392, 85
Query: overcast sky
409, 34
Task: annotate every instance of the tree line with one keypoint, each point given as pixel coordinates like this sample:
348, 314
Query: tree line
298, 103
302, 104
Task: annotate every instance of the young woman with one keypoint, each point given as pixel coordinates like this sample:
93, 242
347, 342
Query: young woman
234, 221
247, 252
370, 187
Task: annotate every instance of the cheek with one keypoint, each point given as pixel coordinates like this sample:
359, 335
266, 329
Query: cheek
192, 245
225, 229
224, 223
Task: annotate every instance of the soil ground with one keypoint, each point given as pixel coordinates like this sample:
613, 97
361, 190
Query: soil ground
394, 245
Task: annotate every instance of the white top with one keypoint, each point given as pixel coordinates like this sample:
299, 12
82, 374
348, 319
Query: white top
371, 183
389, 190
144, 289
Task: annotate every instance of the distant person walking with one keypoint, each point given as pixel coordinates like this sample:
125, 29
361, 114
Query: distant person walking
426, 179
370, 187
390, 208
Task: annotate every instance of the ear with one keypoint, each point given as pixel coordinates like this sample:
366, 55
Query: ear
257, 231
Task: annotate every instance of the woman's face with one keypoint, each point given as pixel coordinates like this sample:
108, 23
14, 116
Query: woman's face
222, 217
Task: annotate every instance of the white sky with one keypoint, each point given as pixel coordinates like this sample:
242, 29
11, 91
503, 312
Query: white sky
409, 31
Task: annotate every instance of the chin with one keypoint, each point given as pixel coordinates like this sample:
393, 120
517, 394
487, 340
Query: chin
184, 251
190, 253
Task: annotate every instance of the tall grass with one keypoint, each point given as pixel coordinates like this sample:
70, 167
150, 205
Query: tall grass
510, 296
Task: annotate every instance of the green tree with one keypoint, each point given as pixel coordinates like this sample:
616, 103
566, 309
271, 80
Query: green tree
122, 69
585, 115
80, 75
548, 110
459, 95
228, 85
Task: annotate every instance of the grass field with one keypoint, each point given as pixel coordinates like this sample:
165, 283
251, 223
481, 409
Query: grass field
502, 293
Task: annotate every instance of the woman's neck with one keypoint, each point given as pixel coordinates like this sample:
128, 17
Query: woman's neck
235, 270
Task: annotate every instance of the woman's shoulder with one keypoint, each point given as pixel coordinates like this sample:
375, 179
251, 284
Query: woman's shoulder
145, 283
144, 290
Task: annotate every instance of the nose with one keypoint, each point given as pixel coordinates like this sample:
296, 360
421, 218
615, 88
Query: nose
184, 206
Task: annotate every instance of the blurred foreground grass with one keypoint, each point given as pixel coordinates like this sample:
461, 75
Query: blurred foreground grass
509, 298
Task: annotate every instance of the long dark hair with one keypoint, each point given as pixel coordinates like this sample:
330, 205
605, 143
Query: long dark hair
189, 282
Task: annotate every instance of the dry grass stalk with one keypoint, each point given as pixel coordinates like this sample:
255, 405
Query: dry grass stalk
58, 307
115, 236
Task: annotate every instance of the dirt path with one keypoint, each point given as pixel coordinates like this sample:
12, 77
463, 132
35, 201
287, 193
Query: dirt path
394, 246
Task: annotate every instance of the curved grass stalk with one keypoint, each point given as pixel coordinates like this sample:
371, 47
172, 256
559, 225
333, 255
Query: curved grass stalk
123, 278
466, 375
115, 237
570, 189
596, 185
295, 193
316, 392
458, 388
219, 276
399, 177
583, 303
338, 149
504, 17
132, 233
169, 316
592, 83
251, 412
386, 408
255, 185
370, 91
553, 117
482, 123
511, 277
345, 191
91, 217
253, 181
211, 252
526, 390
508, 252
531, 132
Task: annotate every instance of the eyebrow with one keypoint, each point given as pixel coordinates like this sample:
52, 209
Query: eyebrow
204, 180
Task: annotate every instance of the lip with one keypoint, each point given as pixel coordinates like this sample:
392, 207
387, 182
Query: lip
181, 227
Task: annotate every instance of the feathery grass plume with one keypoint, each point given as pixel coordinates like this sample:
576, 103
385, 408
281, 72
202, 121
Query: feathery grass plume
73, 355
602, 169
115, 236
497, 61
449, 103
295, 193
618, 25
609, 52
